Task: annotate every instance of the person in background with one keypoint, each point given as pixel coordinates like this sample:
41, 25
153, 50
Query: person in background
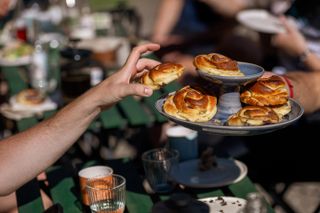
295, 45
186, 28
299, 46
24, 155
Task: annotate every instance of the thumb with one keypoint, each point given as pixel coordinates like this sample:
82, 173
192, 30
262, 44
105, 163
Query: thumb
136, 89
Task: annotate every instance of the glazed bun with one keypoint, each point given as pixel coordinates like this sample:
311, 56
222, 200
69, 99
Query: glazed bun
270, 91
161, 74
253, 116
191, 104
282, 110
30, 97
217, 64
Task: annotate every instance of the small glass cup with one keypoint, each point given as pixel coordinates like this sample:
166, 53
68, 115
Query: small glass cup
107, 196
158, 166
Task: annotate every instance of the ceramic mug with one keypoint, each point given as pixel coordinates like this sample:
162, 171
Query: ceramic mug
184, 140
101, 172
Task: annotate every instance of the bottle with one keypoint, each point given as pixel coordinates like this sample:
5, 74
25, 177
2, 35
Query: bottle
39, 68
255, 204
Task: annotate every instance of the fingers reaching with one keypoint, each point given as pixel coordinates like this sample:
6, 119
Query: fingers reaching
135, 89
145, 63
137, 52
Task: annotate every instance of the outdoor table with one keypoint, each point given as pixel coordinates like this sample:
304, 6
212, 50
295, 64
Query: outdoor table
64, 189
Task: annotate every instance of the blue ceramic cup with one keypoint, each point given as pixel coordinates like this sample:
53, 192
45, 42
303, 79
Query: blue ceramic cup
184, 140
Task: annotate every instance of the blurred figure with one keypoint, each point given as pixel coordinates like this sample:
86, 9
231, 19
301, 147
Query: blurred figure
186, 28
295, 45
299, 46
4, 7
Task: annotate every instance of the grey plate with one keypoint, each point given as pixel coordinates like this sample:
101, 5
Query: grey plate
229, 204
227, 172
251, 72
220, 129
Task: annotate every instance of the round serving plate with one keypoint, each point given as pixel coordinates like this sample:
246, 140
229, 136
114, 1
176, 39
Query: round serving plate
251, 73
225, 204
217, 127
227, 171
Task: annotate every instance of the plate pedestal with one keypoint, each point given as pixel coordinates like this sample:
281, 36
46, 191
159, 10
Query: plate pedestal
229, 103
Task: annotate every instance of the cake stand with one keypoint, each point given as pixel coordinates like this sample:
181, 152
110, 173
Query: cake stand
229, 103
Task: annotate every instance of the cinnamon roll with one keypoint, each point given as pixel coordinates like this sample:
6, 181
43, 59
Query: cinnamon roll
217, 64
191, 104
161, 75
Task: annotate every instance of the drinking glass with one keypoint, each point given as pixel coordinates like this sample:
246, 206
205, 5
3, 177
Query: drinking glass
107, 196
158, 166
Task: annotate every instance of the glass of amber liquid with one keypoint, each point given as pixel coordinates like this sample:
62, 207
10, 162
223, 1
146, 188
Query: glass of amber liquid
107, 196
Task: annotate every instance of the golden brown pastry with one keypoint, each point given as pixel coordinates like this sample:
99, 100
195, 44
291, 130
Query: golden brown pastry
270, 91
191, 104
253, 116
282, 110
217, 64
30, 97
162, 74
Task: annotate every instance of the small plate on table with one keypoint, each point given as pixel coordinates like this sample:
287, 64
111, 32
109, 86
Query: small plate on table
227, 172
225, 204
16, 53
260, 21
21, 61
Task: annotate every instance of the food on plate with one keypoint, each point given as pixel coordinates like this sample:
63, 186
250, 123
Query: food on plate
217, 64
207, 160
270, 92
191, 104
161, 75
254, 116
282, 110
16, 50
30, 97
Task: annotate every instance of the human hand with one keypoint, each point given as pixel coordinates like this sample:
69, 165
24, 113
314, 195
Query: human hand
291, 41
119, 85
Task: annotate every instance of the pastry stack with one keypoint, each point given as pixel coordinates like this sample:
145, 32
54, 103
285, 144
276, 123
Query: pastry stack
267, 102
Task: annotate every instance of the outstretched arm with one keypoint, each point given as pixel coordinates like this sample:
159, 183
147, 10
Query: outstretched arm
25, 155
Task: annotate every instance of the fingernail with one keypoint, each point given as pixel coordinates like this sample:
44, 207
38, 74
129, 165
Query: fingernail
147, 91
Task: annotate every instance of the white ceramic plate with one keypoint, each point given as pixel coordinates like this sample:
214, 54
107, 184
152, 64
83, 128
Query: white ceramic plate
47, 105
261, 21
227, 172
225, 204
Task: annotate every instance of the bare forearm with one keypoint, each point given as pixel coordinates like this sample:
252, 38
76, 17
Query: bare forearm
312, 61
26, 154
32, 151
306, 88
167, 17
227, 8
